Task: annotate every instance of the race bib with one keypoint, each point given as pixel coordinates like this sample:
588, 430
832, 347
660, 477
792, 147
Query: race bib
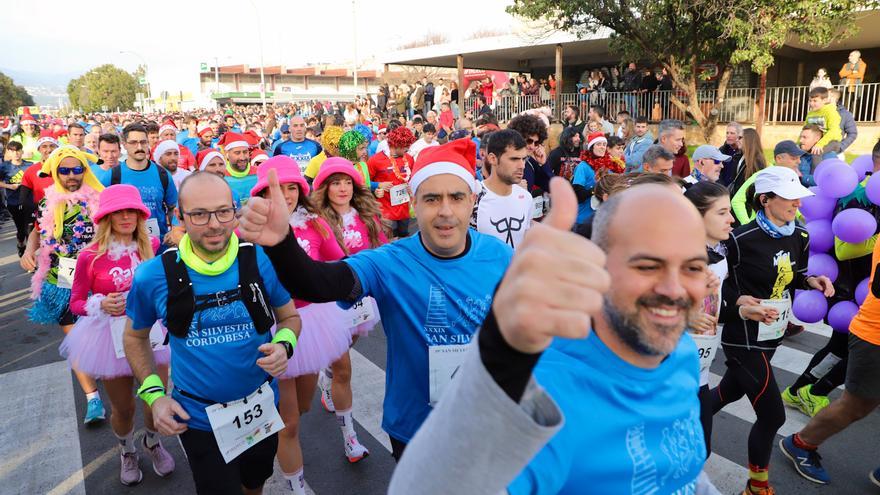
117, 328
66, 271
362, 312
399, 194
444, 363
153, 227
775, 330
707, 346
241, 424
538, 207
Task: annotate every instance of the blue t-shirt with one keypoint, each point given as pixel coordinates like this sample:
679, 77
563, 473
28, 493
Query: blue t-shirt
241, 188
149, 184
301, 152
12, 174
102, 175
586, 177
217, 359
424, 300
371, 149
627, 429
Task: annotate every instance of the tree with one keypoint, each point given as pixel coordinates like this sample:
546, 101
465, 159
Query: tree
104, 86
12, 96
680, 35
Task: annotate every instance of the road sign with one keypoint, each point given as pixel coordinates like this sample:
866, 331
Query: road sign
204, 67
142, 80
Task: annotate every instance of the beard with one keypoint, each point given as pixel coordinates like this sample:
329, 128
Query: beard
630, 330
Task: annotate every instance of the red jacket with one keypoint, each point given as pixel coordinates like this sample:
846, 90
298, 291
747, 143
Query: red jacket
681, 166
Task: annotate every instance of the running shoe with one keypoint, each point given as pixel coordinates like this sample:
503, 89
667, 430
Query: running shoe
163, 463
790, 399
129, 472
326, 384
94, 411
791, 330
875, 476
807, 462
811, 404
758, 491
354, 450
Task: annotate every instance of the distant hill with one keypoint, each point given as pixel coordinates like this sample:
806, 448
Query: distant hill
45, 87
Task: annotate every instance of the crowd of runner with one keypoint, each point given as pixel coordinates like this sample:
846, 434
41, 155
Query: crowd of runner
222, 264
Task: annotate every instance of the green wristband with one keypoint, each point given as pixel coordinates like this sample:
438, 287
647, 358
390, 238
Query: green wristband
285, 335
151, 389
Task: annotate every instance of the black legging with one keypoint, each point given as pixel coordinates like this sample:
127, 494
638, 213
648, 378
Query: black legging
706, 414
823, 385
24, 220
749, 373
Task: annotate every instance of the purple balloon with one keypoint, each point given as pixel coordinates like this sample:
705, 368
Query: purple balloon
841, 314
862, 165
862, 291
822, 264
821, 236
810, 306
837, 179
818, 207
854, 225
872, 189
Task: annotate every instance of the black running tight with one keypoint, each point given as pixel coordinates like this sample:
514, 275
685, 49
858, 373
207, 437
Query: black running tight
749, 373
24, 220
823, 379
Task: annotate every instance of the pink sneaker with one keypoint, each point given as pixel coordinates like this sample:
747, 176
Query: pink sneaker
163, 463
129, 472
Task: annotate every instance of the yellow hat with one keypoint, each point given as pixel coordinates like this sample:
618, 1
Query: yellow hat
50, 168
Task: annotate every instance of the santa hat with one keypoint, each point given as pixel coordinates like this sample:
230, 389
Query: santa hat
457, 158
595, 137
46, 136
27, 118
231, 140
59, 133
203, 126
163, 147
206, 155
383, 128
258, 156
168, 125
252, 138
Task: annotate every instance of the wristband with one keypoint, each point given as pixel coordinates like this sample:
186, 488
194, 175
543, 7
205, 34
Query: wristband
151, 389
285, 335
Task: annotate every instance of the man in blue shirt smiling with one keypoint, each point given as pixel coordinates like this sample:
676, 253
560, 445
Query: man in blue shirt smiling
297, 146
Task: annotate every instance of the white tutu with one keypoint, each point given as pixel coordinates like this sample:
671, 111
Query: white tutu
324, 339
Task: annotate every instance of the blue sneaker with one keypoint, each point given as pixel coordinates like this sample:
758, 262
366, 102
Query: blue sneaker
875, 476
806, 462
94, 411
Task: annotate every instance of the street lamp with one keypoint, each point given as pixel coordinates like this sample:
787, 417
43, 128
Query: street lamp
260, 40
146, 82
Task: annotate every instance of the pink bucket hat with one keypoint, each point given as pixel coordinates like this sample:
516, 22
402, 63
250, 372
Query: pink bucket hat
120, 197
337, 165
287, 170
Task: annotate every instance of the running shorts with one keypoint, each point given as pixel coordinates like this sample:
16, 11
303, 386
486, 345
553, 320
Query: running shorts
213, 476
863, 368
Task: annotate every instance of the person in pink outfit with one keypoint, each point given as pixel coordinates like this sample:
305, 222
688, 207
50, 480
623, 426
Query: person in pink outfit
323, 338
354, 215
104, 271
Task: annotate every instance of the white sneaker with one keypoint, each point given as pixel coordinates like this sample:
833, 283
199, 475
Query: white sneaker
326, 384
354, 450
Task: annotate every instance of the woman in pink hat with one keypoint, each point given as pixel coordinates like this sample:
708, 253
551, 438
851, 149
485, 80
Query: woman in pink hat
323, 338
354, 214
104, 271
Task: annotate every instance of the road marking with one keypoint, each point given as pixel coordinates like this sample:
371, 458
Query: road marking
54, 342
368, 390
726, 475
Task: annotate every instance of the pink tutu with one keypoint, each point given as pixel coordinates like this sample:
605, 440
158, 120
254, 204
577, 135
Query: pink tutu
365, 328
323, 339
89, 348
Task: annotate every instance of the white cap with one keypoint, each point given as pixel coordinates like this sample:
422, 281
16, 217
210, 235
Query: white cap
781, 181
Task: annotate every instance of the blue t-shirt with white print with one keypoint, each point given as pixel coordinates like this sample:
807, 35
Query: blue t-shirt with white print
301, 152
423, 301
217, 359
149, 184
627, 429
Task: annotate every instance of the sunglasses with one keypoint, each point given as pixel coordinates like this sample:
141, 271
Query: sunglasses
78, 170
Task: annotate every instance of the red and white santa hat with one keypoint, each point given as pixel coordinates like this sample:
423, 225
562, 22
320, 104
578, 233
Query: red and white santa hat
162, 147
203, 126
231, 140
595, 137
168, 125
206, 155
47, 136
457, 158
27, 118
258, 156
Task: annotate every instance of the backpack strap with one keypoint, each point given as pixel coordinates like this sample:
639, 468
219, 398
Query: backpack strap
181, 304
253, 291
115, 175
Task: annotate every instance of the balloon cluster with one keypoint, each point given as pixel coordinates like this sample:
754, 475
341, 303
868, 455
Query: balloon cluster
835, 179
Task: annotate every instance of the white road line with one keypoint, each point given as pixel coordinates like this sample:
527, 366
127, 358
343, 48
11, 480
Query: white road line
742, 409
368, 387
726, 475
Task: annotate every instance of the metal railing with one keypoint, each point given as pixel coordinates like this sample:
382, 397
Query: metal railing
787, 104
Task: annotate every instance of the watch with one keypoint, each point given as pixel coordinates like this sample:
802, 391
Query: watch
288, 348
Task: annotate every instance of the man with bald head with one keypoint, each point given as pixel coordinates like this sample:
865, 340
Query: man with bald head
628, 390
298, 147
213, 294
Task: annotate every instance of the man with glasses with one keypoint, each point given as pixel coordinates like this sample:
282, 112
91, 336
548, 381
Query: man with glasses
708, 163
154, 182
214, 295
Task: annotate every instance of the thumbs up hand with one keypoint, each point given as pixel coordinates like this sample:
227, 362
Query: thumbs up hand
555, 282
264, 221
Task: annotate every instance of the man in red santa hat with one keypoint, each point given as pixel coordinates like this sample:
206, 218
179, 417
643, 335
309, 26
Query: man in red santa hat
168, 132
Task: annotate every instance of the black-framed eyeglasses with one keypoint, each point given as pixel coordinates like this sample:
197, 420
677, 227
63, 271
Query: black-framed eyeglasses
530, 142
78, 170
200, 217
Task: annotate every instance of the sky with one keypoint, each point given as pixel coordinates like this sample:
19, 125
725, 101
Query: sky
174, 36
